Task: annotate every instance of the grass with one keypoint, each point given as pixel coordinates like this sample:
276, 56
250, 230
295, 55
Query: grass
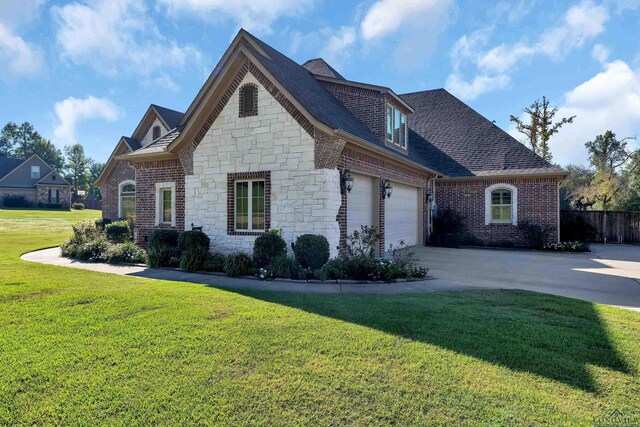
83, 348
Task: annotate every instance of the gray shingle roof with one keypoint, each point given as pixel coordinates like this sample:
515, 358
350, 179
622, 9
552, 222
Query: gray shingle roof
456, 140
319, 67
132, 143
170, 117
160, 144
7, 164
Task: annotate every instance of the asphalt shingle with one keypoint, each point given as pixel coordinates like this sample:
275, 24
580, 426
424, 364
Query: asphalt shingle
457, 141
7, 164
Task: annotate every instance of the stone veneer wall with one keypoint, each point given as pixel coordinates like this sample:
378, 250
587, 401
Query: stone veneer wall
64, 197
537, 203
304, 199
147, 175
122, 171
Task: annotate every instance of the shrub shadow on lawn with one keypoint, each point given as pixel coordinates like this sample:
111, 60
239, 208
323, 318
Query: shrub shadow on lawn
546, 335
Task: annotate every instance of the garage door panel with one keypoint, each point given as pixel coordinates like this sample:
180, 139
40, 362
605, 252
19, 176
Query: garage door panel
360, 203
402, 212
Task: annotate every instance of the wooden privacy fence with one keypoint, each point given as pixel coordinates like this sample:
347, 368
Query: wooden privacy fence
88, 204
615, 226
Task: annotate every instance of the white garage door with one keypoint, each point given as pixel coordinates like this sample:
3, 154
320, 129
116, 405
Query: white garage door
360, 203
402, 213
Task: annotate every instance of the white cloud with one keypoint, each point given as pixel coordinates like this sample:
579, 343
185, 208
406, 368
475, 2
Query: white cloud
338, 43
114, 36
478, 86
71, 111
581, 22
18, 56
387, 16
252, 15
414, 24
608, 101
600, 53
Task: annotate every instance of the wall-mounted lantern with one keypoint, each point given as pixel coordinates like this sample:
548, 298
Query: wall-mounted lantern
387, 188
346, 181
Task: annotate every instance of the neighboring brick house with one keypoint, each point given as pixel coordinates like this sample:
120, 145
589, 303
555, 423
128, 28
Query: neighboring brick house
35, 180
268, 143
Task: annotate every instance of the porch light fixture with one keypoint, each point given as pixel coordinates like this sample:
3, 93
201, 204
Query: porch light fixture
387, 188
346, 181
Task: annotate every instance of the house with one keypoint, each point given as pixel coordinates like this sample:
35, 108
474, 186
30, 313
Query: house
268, 143
35, 180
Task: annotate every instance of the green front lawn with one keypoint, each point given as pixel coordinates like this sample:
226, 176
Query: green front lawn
83, 348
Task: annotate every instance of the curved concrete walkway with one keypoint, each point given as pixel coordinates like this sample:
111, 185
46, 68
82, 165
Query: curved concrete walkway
52, 256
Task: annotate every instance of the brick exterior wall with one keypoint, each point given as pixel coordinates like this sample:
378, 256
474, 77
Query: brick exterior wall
537, 203
366, 104
122, 171
147, 175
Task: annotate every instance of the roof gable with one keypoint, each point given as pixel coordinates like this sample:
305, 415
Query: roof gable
53, 178
319, 67
458, 141
169, 118
21, 175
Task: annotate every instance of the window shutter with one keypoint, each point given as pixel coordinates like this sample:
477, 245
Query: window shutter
49, 195
57, 196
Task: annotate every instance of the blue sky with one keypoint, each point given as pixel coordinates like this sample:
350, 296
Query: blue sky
86, 70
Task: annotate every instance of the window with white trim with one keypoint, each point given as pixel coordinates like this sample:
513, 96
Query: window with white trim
396, 124
501, 210
35, 172
501, 204
166, 203
250, 205
127, 199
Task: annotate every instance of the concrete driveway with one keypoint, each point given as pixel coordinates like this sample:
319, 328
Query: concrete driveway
609, 275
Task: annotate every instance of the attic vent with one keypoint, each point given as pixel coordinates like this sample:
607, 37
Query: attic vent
53, 177
248, 100
156, 132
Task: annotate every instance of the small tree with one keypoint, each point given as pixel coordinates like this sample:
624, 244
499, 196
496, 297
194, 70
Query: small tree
77, 166
608, 155
95, 169
539, 127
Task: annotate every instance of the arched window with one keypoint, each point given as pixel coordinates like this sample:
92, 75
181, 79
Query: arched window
156, 132
249, 100
126, 198
501, 204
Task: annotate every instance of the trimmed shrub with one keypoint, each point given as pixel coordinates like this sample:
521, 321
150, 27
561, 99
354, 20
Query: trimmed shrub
125, 252
162, 237
266, 247
193, 240
215, 263
471, 240
118, 232
535, 234
576, 228
77, 206
163, 256
16, 201
84, 232
285, 267
238, 264
194, 258
101, 223
311, 251
448, 221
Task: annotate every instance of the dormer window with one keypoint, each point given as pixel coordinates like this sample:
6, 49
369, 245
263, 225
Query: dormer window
248, 100
396, 127
156, 132
53, 177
